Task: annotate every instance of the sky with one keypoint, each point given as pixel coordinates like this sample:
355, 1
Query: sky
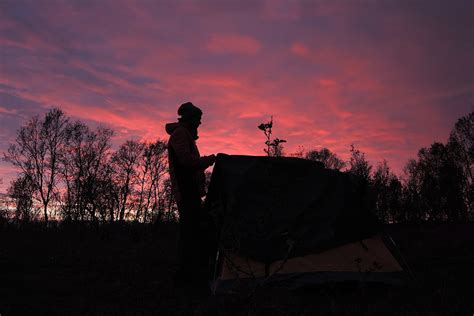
388, 76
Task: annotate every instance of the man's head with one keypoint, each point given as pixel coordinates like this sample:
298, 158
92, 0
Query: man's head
190, 114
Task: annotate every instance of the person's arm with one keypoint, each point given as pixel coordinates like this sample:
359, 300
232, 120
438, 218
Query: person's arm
180, 142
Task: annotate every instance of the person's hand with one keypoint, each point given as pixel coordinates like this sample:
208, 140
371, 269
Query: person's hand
212, 159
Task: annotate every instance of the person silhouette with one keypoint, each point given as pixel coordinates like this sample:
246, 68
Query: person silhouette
186, 168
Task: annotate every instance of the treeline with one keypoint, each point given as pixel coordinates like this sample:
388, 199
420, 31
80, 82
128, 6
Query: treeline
68, 171
436, 186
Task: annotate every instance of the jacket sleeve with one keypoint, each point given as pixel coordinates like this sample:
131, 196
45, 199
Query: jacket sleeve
180, 142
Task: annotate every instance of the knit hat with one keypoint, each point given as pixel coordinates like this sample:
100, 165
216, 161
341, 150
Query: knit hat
188, 110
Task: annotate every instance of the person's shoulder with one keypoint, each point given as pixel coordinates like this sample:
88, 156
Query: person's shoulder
180, 132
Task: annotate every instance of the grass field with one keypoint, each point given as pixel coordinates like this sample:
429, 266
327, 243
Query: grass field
129, 270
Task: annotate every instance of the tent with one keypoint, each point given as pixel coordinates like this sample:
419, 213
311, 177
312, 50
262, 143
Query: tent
290, 221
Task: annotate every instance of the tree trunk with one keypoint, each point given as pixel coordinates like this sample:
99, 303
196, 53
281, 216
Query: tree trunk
45, 213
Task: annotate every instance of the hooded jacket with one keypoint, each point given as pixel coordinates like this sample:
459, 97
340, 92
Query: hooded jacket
185, 163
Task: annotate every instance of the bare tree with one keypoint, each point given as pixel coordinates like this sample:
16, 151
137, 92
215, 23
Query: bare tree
82, 168
434, 186
387, 191
412, 204
107, 194
125, 162
461, 147
169, 208
21, 191
327, 157
359, 166
152, 167
36, 152
71, 170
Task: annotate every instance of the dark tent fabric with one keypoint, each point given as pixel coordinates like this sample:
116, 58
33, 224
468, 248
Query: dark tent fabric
276, 208
290, 222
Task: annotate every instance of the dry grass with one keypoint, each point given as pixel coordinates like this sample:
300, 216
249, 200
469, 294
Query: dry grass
128, 270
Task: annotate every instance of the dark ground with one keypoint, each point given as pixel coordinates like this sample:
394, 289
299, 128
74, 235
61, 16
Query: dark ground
129, 270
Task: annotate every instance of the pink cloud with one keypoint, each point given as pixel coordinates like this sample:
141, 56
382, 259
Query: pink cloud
251, 114
327, 82
233, 43
300, 49
6, 111
282, 10
328, 76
